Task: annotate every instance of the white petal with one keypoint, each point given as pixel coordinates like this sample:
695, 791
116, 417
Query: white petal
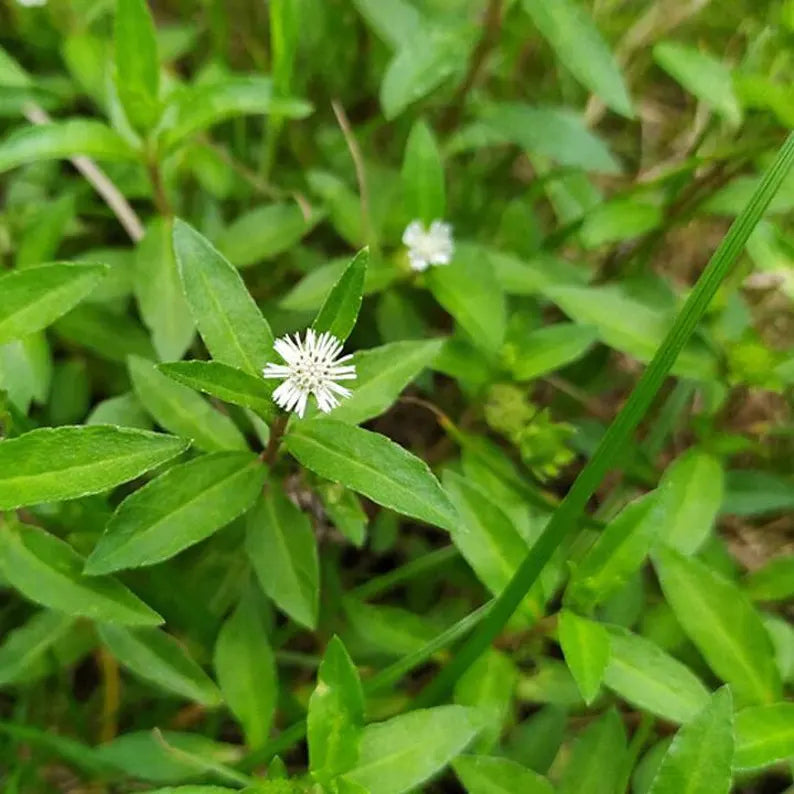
414, 232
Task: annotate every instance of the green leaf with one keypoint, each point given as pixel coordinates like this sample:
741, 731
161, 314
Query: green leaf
48, 570
381, 375
402, 753
773, 582
485, 536
395, 21
37, 296
177, 510
421, 65
180, 410
159, 293
157, 657
228, 320
344, 510
699, 759
336, 714
597, 760
24, 648
753, 493
723, 624
618, 552
264, 232
619, 221
137, 63
209, 103
246, 670
548, 349
628, 325
49, 465
423, 176
707, 77
282, 547
764, 736
690, 494
489, 687
339, 312
60, 140
196, 790
372, 465
124, 411
575, 39
644, 675
224, 382
585, 645
556, 133
468, 290
481, 774
388, 630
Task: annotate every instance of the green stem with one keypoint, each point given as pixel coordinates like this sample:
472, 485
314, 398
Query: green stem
619, 433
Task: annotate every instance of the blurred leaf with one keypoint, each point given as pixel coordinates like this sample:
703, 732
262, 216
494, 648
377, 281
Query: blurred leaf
228, 320
137, 63
110, 335
689, 496
400, 754
177, 510
224, 382
586, 647
481, 774
281, 545
246, 671
773, 582
339, 312
575, 39
467, 288
548, 349
264, 232
597, 760
699, 758
159, 293
345, 511
157, 657
395, 21
722, 623
703, 75
647, 677
619, 221
50, 465
179, 409
336, 714
557, 133
46, 231
388, 630
755, 493
36, 296
423, 176
382, 374
764, 736
124, 411
61, 140
372, 465
26, 647
48, 570
519, 277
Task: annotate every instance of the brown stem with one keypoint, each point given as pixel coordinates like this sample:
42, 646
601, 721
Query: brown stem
158, 187
276, 434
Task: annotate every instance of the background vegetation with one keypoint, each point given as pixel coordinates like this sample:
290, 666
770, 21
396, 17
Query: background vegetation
590, 158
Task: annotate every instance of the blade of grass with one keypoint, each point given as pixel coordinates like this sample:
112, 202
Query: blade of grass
619, 432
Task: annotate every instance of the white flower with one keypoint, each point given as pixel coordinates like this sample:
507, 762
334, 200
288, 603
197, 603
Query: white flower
427, 247
32, 3
312, 367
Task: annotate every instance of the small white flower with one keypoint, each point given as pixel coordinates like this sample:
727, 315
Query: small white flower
32, 3
312, 367
433, 246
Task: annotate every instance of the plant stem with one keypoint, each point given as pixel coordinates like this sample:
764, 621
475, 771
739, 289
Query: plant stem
274, 442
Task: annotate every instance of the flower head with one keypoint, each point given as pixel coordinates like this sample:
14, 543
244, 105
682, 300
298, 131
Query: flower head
433, 246
312, 366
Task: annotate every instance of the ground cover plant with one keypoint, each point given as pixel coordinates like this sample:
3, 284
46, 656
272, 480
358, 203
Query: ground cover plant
396, 396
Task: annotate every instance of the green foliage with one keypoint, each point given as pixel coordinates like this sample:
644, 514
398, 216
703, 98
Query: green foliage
545, 522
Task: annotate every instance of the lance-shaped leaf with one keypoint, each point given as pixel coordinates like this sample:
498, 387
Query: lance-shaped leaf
336, 714
230, 323
281, 545
699, 759
34, 297
156, 656
764, 736
339, 313
723, 624
179, 409
224, 382
585, 645
52, 464
178, 509
423, 176
49, 571
372, 465
596, 762
482, 774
